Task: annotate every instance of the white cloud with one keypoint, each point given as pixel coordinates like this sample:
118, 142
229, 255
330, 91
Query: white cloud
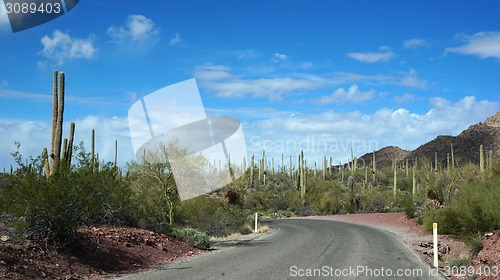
407, 79
212, 72
107, 131
416, 43
137, 28
405, 98
218, 79
279, 57
333, 134
245, 54
384, 54
352, 95
176, 40
411, 79
61, 46
482, 44
325, 133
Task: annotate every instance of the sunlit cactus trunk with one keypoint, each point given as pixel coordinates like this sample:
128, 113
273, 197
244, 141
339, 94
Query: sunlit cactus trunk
53, 160
481, 158
395, 187
251, 169
374, 167
414, 180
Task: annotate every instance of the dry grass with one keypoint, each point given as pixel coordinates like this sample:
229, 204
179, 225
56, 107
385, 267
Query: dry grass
263, 229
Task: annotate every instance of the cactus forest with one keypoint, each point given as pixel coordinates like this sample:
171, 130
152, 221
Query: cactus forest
67, 187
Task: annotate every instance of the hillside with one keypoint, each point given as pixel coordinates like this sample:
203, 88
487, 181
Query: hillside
465, 145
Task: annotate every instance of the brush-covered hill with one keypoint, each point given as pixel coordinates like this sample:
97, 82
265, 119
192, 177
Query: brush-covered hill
465, 146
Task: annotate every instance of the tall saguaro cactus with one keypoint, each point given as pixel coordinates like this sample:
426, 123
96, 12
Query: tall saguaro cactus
57, 124
481, 158
374, 167
395, 187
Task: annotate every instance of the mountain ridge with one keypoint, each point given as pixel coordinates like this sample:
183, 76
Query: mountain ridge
465, 146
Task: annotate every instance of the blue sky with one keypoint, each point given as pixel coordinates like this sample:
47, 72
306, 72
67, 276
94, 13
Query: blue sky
322, 76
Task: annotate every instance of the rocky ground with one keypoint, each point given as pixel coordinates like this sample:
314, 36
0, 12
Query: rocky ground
99, 253
104, 253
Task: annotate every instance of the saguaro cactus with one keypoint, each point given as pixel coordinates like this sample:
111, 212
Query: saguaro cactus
116, 153
435, 161
302, 175
395, 188
374, 167
251, 169
92, 155
52, 164
414, 180
69, 151
481, 158
452, 157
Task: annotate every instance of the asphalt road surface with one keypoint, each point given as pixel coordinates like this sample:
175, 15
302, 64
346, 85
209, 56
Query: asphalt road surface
304, 249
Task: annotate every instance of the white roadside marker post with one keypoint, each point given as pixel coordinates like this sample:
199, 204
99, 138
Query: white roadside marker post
435, 245
256, 216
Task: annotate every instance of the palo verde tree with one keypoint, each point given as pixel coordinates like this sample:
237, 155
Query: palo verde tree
153, 180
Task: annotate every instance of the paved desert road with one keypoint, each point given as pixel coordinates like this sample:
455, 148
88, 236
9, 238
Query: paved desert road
304, 248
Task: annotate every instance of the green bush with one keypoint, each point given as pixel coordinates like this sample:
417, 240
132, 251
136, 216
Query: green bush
193, 237
474, 209
53, 208
212, 215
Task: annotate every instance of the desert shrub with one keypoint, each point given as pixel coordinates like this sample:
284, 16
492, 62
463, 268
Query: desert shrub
212, 215
323, 197
474, 209
258, 200
52, 208
193, 237
377, 201
286, 200
409, 206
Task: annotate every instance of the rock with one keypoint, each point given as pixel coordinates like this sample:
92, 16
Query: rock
5, 238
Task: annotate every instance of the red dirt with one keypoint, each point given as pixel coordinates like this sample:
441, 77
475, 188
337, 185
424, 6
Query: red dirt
99, 253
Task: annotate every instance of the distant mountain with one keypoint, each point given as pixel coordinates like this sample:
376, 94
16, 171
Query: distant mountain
465, 146
384, 156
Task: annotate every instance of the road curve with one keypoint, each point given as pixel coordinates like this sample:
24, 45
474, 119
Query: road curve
304, 248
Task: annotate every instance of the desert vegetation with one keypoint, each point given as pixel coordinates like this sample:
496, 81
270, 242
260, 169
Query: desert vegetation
66, 187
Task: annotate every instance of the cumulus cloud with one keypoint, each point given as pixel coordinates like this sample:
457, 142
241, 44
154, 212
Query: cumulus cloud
415, 43
107, 131
326, 133
136, 28
61, 47
352, 95
405, 98
176, 40
279, 57
333, 134
482, 44
411, 79
384, 54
